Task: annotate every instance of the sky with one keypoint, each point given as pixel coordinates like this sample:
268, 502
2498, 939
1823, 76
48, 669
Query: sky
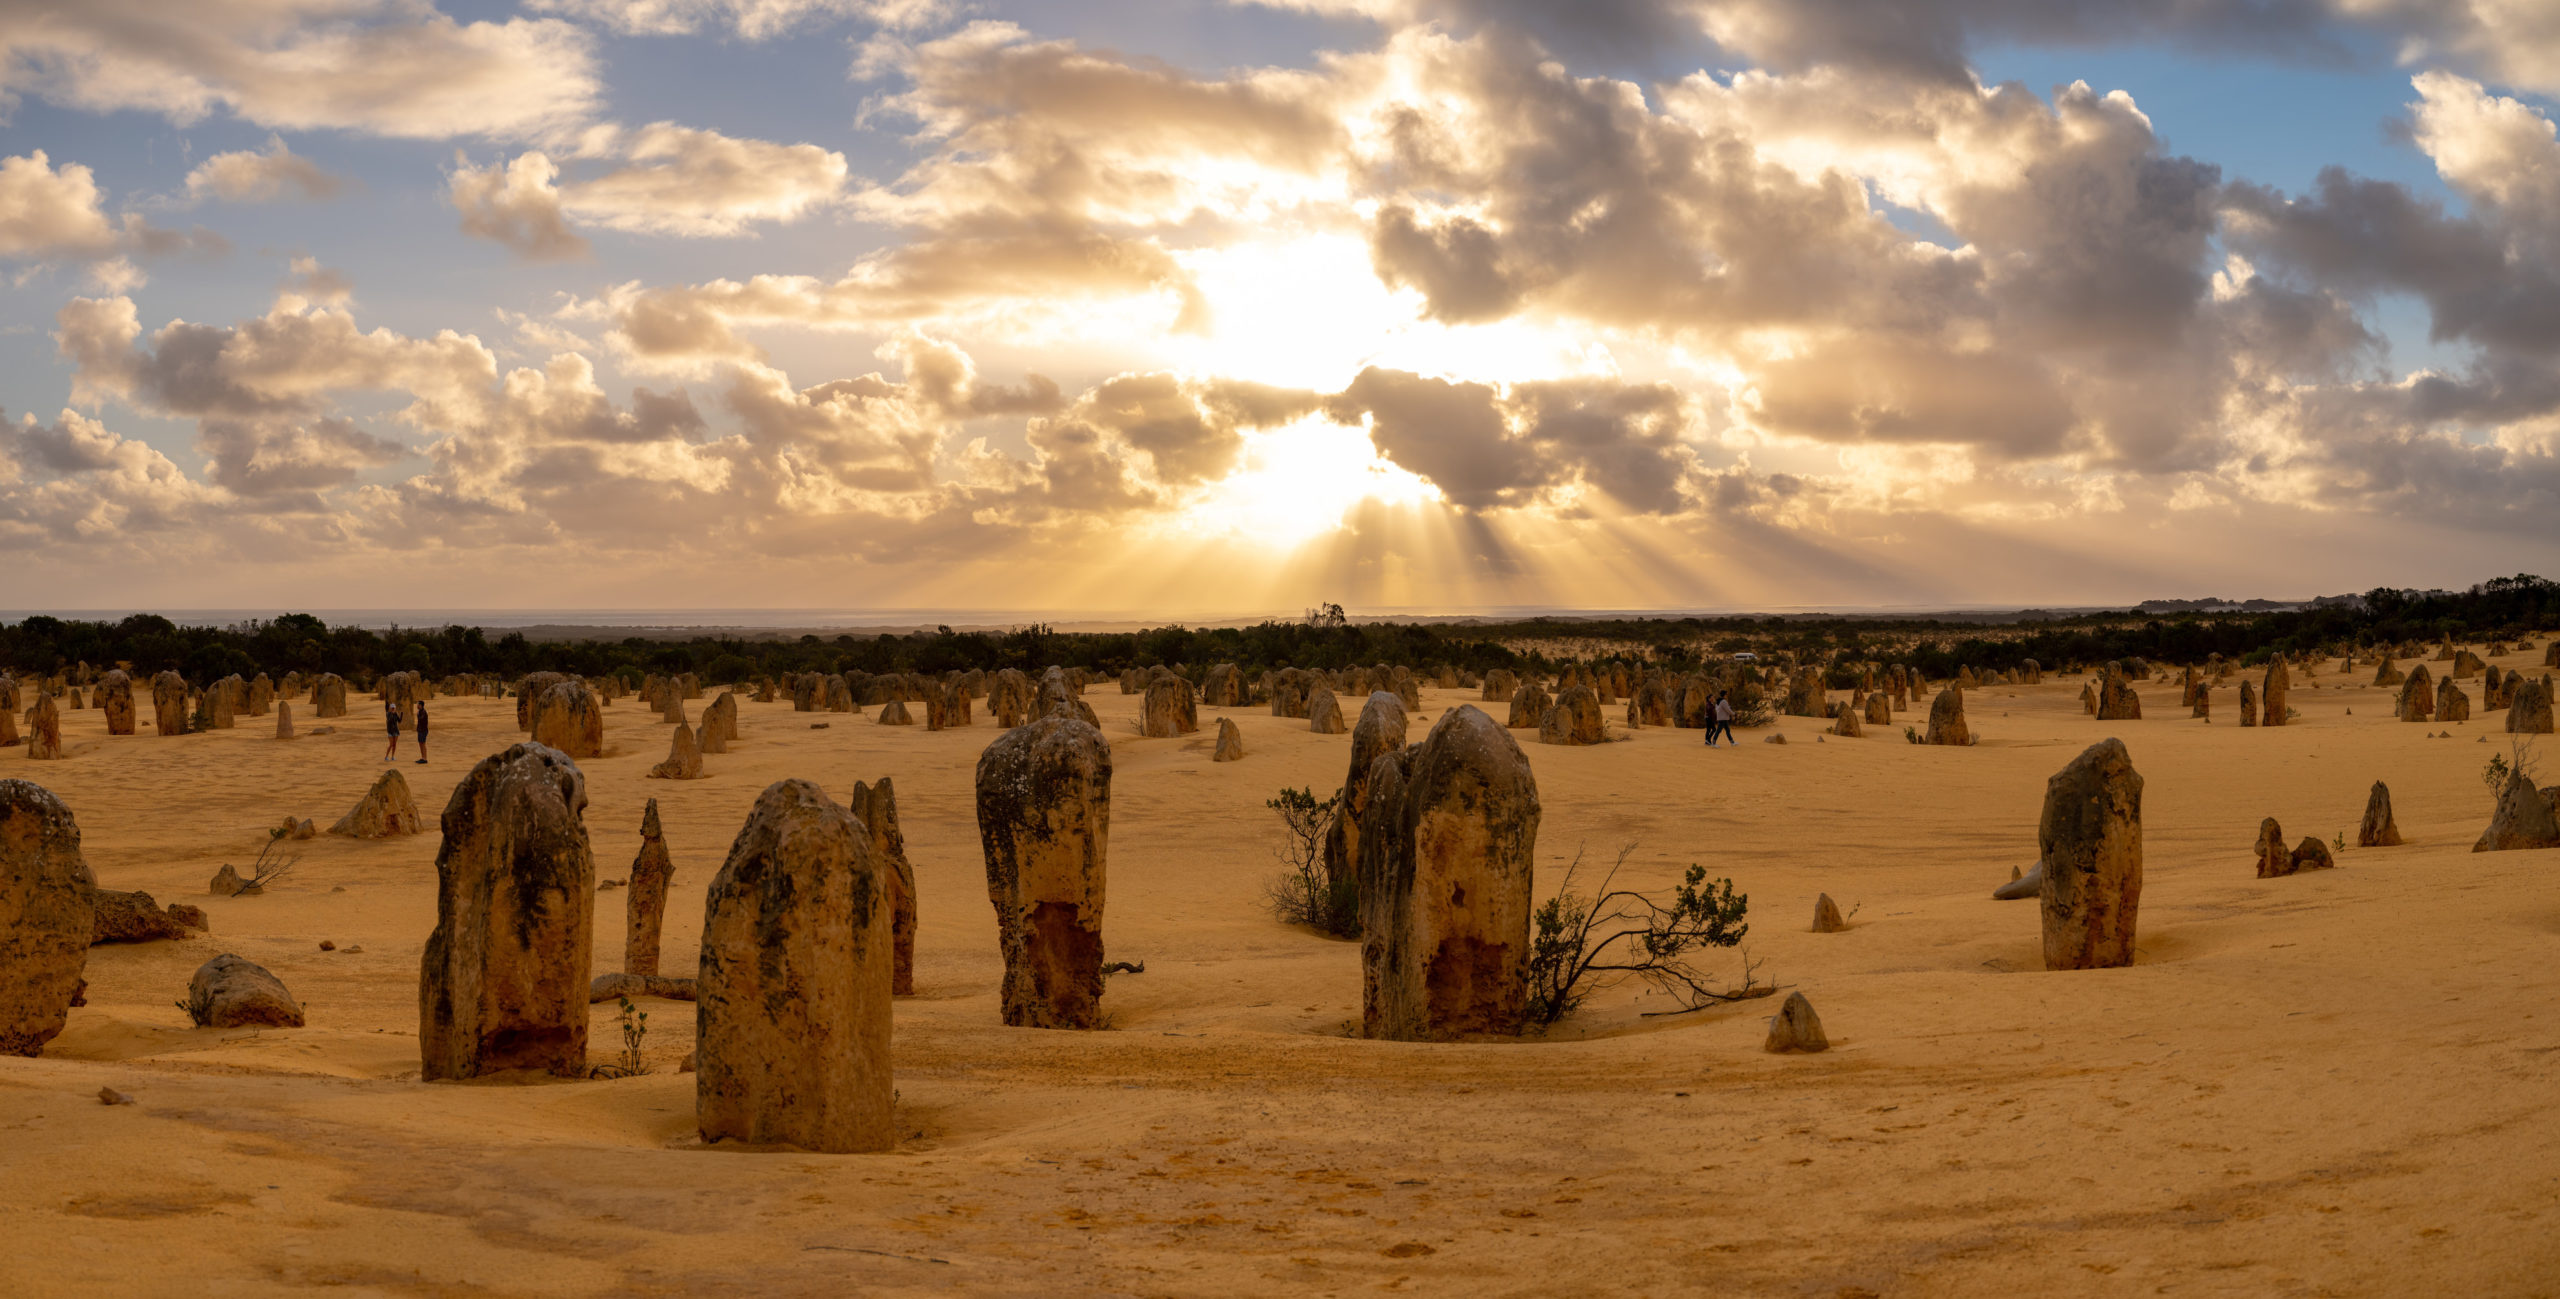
1195, 308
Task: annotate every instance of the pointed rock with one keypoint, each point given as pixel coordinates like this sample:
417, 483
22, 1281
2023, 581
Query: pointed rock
2273, 859
1826, 916
876, 807
2378, 830
1795, 1028
645, 904
1230, 742
719, 725
684, 759
384, 811
2523, 820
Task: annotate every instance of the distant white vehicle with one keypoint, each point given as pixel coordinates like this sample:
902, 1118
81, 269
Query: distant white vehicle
1746, 657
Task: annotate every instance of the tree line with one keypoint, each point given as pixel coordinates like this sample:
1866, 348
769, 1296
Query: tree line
2501, 608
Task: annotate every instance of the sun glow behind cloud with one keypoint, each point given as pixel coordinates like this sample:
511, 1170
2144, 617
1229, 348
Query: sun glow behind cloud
1295, 484
1309, 311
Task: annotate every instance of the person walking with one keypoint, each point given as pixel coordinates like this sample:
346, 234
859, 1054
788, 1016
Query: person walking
422, 732
391, 723
1723, 721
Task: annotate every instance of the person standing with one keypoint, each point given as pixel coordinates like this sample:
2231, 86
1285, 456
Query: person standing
1723, 721
391, 723
422, 732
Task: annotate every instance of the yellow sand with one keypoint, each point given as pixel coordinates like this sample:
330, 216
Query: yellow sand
2339, 1083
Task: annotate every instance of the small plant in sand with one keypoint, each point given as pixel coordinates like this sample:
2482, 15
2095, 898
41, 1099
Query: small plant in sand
272, 865
1912, 734
1582, 944
1306, 893
635, 1031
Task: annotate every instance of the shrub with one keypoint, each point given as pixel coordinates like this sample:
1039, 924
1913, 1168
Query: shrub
1312, 892
1582, 944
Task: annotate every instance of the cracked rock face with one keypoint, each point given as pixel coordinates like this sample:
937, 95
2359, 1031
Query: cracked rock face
503, 981
2091, 836
1044, 819
46, 916
792, 1004
1446, 849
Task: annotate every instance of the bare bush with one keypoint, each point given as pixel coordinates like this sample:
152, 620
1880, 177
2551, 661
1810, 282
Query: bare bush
1583, 944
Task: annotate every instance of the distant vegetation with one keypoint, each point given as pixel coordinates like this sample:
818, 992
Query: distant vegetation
2506, 607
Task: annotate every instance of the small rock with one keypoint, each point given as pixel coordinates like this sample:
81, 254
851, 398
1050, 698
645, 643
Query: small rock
820, 726
1776, 739
602, 885
327, 946
110, 1096
229, 992
1826, 916
2028, 884
686, 1066
354, 949
1796, 1028
227, 883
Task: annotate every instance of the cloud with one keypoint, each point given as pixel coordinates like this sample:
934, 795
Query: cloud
379, 67
250, 177
1492, 447
2516, 42
82, 488
675, 181
516, 205
753, 20
702, 183
48, 212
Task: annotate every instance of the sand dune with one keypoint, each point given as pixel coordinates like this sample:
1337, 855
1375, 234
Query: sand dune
2335, 1083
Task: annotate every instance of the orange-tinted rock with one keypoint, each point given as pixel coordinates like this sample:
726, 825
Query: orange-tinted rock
567, 716
876, 807
231, 992
47, 916
1795, 1028
2273, 858
1946, 719
385, 810
792, 1004
1447, 848
645, 900
684, 757
114, 696
1574, 719
503, 982
1044, 818
2091, 837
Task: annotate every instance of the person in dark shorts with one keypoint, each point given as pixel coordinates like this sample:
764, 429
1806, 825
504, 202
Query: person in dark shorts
391, 723
422, 732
